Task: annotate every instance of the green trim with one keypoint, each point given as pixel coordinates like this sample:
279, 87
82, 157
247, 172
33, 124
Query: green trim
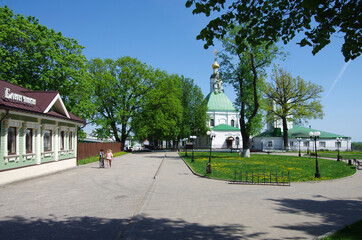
224, 127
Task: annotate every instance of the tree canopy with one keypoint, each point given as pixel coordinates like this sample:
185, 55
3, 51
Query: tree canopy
292, 99
38, 58
245, 71
270, 20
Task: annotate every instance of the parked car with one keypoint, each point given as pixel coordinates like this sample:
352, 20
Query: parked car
137, 147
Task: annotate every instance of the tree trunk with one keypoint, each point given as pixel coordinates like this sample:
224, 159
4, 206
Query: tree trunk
285, 133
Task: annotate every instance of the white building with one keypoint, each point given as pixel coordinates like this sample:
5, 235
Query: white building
224, 119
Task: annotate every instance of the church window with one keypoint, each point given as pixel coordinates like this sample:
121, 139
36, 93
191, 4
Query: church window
306, 144
233, 123
322, 144
212, 122
338, 144
270, 143
291, 143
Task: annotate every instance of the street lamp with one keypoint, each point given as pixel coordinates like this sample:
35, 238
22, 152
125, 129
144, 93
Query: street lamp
299, 139
212, 135
185, 141
237, 143
315, 136
339, 140
308, 140
193, 145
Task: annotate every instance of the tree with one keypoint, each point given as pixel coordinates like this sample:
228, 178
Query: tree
160, 117
292, 99
120, 88
270, 20
194, 114
39, 58
245, 72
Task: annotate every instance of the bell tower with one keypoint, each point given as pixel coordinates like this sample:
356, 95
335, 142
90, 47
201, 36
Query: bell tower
215, 80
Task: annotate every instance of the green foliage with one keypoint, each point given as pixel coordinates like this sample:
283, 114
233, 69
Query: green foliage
292, 99
120, 87
301, 169
357, 146
245, 71
194, 109
351, 232
270, 20
39, 58
160, 117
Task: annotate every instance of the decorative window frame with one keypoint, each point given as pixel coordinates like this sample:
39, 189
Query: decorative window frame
53, 128
33, 126
17, 124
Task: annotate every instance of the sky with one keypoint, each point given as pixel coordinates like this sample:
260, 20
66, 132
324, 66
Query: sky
162, 34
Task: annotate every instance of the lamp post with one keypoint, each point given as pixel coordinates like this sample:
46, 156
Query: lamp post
212, 136
237, 143
339, 140
308, 140
299, 139
193, 144
185, 141
315, 136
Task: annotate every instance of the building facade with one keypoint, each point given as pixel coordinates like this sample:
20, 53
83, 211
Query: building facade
38, 134
224, 119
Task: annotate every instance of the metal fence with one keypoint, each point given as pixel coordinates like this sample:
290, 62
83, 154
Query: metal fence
86, 150
265, 178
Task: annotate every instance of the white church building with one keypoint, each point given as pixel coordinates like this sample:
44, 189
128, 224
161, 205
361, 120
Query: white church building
223, 117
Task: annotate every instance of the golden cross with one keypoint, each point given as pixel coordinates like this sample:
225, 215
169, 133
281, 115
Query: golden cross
215, 51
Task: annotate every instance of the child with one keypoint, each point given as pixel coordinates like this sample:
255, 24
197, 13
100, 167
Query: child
101, 158
109, 157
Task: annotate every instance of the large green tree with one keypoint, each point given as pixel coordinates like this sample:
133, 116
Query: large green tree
245, 72
38, 58
292, 99
119, 95
194, 110
159, 119
270, 20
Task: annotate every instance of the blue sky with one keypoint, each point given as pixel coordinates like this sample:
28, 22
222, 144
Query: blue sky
162, 33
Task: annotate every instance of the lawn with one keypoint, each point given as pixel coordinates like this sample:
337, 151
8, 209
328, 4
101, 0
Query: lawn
345, 155
301, 169
351, 232
96, 158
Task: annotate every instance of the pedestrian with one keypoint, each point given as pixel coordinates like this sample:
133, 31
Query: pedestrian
109, 157
101, 158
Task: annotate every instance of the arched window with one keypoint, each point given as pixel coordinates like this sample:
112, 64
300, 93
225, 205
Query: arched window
212, 122
233, 123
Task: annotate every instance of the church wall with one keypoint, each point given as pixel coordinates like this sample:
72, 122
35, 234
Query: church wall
224, 118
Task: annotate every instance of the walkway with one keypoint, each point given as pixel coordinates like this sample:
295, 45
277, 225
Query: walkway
126, 201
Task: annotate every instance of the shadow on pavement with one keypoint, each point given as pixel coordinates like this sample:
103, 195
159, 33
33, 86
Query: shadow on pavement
163, 228
335, 214
90, 228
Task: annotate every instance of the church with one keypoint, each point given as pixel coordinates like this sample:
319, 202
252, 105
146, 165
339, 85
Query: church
223, 117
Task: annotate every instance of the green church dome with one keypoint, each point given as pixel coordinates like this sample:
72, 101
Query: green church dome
219, 102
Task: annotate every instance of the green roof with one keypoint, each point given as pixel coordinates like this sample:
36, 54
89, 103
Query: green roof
224, 127
219, 102
298, 131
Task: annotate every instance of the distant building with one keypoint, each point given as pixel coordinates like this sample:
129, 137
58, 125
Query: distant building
272, 139
38, 134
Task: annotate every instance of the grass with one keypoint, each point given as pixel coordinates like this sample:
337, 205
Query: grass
301, 169
96, 158
345, 155
351, 232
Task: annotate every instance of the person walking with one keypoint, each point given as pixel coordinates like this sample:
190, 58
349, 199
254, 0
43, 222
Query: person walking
101, 158
109, 157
